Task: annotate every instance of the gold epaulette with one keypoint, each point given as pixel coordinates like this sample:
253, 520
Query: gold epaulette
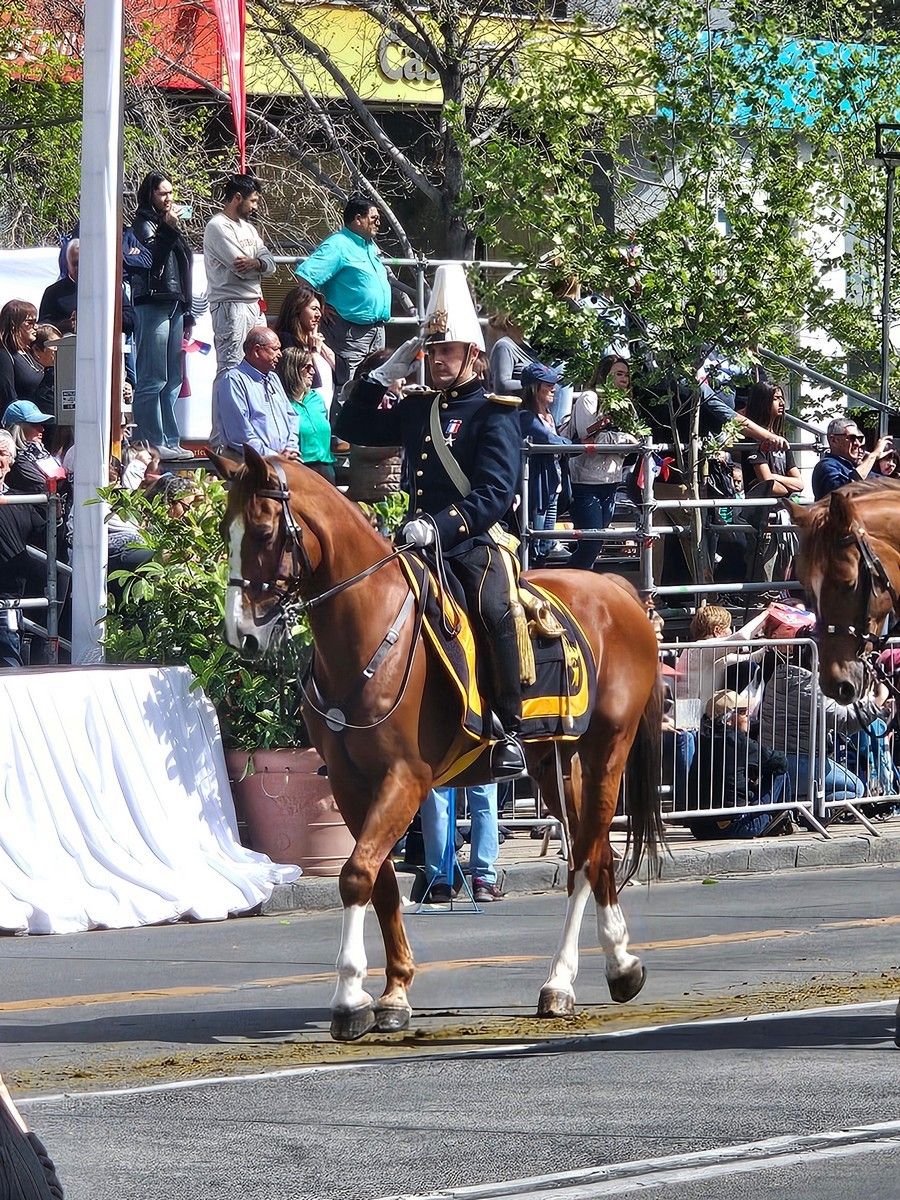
510, 401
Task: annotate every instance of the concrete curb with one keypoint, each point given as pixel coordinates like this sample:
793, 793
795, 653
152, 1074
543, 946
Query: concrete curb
687, 861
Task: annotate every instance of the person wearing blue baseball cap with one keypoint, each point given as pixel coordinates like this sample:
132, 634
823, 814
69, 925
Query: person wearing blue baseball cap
25, 412
35, 467
539, 383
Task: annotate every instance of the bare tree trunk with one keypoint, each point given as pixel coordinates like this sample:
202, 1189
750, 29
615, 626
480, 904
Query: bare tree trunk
460, 242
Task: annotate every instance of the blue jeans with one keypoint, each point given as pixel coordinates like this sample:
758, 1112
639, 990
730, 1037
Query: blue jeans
438, 828
158, 333
544, 520
840, 784
10, 641
593, 505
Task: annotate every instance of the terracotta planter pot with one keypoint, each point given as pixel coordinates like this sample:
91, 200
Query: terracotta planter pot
286, 810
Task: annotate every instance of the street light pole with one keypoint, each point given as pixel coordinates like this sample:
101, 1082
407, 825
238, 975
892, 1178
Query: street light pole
887, 150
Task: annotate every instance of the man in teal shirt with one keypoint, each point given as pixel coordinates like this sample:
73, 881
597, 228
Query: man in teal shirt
347, 269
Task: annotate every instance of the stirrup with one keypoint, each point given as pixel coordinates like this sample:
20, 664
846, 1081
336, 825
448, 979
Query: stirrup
508, 758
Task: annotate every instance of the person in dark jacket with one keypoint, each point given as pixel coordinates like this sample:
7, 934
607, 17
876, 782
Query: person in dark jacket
463, 451
731, 770
21, 525
161, 295
26, 1169
20, 375
544, 473
847, 460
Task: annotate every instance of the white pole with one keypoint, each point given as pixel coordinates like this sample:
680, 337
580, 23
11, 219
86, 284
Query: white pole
101, 142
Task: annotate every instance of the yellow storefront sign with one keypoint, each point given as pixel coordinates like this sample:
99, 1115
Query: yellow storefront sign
378, 67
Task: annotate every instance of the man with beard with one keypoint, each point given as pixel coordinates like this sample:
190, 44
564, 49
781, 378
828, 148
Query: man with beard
236, 262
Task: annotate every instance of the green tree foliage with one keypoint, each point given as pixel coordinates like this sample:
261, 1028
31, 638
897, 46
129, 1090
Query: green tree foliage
736, 159
171, 611
40, 131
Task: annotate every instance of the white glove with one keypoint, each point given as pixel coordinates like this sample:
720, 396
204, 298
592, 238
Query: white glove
400, 364
418, 533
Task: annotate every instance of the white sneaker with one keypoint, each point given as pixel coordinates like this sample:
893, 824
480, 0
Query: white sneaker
173, 453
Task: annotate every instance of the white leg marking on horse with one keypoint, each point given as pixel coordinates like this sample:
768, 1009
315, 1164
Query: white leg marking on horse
613, 934
351, 961
564, 967
234, 595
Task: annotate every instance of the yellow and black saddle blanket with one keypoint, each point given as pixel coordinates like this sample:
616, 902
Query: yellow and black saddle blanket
560, 700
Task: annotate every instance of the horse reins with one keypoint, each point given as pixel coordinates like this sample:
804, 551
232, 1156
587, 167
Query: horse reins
875, 579
293, 537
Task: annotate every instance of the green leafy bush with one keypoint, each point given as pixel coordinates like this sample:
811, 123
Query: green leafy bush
171, 611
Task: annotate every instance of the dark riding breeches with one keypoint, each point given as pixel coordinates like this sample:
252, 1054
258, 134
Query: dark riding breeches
485, 583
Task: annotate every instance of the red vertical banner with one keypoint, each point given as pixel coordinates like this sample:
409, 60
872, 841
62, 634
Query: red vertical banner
232, 17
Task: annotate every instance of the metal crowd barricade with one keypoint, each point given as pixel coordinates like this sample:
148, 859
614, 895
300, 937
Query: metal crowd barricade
49, 602
705, 777
646, 532
861, 774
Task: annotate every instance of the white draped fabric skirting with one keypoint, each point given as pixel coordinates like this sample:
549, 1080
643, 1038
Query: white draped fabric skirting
115, 809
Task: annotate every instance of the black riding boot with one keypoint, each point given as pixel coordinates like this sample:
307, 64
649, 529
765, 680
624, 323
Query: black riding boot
507, 756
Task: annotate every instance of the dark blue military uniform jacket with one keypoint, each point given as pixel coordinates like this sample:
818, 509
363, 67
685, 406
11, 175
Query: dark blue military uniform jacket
483, 436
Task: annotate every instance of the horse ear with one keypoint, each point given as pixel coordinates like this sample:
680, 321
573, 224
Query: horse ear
225, 468
841, 513
801, 514
257, 467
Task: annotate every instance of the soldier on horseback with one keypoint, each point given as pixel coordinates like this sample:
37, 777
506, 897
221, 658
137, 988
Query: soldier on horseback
462, 453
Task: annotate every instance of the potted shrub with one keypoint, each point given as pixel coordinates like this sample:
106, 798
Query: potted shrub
170, 611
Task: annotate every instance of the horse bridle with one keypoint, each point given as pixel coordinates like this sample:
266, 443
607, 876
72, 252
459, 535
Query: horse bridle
289, 602
875, 580
291, 538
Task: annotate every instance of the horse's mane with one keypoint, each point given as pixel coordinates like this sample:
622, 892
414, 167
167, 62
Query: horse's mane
320, 502
818, 536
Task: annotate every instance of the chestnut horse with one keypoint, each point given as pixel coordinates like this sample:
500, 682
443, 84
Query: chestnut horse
849, 562
293, 539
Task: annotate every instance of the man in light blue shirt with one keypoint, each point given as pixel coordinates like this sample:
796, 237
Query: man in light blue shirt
347, 269
249, 403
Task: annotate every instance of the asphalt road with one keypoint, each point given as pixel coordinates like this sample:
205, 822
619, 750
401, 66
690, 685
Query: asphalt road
140, 1005
477, 1092
692, 1110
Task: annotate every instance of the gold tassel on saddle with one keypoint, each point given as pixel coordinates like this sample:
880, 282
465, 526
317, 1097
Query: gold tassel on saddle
506, 545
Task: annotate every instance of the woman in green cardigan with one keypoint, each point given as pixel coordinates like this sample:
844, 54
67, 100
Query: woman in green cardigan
296, 370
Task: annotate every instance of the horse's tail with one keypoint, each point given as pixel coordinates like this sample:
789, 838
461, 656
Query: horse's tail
646, 834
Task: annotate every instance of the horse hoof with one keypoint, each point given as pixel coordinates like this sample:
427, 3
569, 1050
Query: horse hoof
351, 1025
554, 1002
392, 1020
626, 987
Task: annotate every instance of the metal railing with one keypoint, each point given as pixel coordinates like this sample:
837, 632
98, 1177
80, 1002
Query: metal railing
50, 601
645, 532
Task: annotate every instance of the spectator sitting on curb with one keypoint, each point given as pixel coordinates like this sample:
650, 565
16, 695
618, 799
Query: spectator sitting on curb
27, 1171
731, 770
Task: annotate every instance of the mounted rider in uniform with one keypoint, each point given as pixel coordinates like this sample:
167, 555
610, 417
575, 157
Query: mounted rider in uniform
463, 450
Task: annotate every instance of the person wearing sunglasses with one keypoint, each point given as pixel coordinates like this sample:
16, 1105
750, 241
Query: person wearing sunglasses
847, 460
296, 370
20, 375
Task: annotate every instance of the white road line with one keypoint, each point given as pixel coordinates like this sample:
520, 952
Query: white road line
622, 1179
476, 1052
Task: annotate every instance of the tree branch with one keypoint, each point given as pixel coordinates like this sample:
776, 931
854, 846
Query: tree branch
365, 117
325, 123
